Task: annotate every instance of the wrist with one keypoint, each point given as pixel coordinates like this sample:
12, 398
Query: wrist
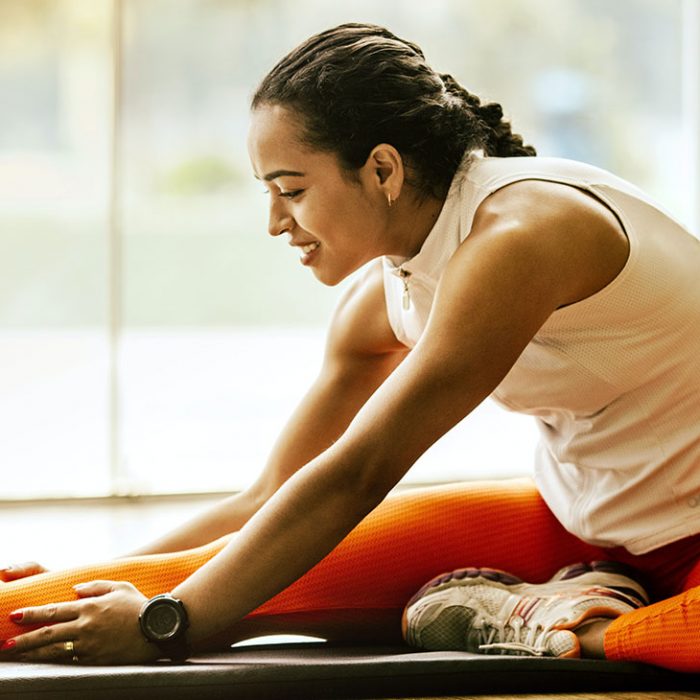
164, 623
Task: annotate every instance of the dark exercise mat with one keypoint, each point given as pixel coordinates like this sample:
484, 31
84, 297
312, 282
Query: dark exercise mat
329, 671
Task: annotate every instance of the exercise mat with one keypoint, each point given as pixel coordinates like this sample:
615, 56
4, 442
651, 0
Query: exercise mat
320, 670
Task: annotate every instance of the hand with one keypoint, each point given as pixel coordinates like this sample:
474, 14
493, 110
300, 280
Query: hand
17, 571
102, 626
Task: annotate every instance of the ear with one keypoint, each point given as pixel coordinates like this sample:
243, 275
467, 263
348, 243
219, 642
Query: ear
384, 171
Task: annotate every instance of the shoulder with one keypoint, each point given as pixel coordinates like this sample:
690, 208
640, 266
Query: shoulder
360, 325
535, 200
556, 230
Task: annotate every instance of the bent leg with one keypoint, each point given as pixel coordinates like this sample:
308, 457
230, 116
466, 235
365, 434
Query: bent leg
666, 633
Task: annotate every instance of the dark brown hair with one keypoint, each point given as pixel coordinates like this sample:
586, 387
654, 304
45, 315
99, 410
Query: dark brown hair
358, 85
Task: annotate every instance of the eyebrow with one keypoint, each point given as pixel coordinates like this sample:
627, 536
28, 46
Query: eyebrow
281, 173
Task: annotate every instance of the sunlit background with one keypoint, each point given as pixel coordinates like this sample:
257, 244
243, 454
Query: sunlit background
153, 337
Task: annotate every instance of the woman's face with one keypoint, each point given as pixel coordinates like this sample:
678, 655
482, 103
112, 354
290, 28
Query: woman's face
336, 224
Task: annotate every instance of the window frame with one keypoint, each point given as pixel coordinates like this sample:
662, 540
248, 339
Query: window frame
118, 479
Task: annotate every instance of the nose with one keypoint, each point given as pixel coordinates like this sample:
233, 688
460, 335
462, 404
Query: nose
280, 220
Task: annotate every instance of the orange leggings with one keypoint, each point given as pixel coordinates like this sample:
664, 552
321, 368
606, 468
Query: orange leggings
418, 534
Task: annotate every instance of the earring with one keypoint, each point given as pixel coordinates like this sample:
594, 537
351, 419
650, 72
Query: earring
390, 200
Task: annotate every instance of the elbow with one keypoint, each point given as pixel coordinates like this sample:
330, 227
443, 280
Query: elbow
257, 495
375, 483
366, 477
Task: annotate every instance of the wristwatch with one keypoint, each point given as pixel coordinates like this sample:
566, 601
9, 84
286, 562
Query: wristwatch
163, 621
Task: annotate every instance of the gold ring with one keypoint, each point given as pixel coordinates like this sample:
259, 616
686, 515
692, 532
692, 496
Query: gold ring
70, 648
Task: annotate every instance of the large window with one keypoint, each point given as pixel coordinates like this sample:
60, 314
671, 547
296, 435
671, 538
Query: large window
153, 338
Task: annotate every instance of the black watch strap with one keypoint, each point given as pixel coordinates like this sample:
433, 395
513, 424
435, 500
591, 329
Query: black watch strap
175, 649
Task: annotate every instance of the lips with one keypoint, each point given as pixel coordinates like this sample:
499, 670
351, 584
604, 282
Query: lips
309, 247
308, 252
306, 248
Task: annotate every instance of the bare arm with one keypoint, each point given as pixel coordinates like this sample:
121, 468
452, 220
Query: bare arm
361, 351
499, 288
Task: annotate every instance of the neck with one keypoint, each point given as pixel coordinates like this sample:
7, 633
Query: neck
411, 220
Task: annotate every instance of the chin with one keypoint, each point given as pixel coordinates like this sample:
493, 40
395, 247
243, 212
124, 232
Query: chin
333, 277
330, 280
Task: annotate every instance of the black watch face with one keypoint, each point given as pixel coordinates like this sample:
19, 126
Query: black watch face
163, 621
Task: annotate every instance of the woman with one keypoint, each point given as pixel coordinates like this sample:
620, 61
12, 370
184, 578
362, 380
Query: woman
557, 287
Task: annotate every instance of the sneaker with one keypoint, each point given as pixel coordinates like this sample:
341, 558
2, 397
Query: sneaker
490, 611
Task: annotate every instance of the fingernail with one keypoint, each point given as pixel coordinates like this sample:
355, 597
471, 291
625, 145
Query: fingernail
9, 644
78, 586
16, 616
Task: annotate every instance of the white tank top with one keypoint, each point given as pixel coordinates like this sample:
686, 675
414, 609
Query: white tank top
613, 381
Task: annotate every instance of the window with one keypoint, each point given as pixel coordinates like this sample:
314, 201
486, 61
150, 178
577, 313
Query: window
154, 337
54, 255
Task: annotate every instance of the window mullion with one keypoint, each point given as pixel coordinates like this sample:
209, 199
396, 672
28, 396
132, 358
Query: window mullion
117, 482
691, 108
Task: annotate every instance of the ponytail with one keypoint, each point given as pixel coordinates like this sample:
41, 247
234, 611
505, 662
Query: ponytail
498, 138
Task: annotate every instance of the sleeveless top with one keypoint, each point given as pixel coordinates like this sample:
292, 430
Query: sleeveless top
613, 381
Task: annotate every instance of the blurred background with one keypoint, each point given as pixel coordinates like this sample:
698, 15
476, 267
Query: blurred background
153, 337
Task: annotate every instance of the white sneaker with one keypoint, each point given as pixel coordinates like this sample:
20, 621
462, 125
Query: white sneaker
490, 611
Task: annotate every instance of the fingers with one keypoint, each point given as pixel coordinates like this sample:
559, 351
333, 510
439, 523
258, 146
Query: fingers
45, 614
54, 613
48, 636
17, 571
101, 628
95, 588
59, 652
23, 649
64, 612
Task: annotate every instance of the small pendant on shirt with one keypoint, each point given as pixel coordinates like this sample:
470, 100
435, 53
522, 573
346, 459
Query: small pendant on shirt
406, 299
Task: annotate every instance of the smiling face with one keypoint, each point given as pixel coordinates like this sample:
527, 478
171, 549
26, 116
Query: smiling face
337, 223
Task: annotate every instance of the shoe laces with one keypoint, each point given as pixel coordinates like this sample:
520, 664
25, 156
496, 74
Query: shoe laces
513, 635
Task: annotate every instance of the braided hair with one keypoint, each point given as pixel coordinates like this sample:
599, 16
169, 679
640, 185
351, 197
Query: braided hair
357, 85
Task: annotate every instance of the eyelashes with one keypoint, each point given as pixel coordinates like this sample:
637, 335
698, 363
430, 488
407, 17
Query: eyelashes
291, 195
287, 195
